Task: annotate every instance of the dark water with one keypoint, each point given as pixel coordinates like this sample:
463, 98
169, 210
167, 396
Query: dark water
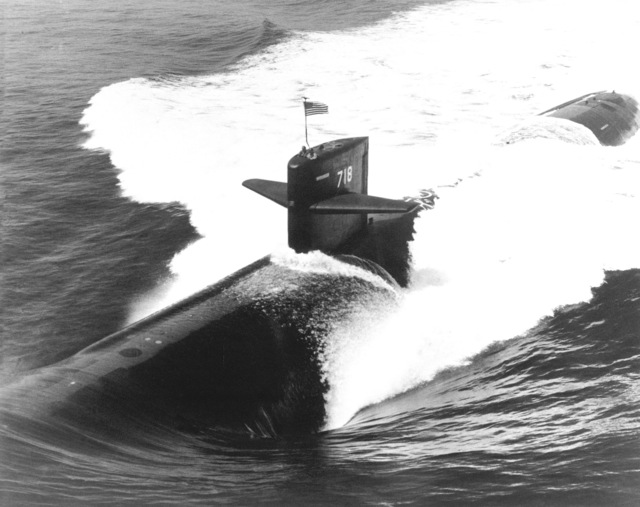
548, 416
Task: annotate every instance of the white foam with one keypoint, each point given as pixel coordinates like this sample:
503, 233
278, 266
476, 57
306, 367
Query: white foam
534, 231
317, 262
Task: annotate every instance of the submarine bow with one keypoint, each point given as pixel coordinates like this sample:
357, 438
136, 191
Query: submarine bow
243, 354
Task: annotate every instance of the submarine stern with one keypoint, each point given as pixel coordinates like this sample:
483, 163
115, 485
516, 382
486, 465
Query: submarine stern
611, 116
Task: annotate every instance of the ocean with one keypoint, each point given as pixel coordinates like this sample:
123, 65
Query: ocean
507, 373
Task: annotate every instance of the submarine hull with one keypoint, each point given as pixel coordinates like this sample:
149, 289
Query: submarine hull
242, 355
611, 116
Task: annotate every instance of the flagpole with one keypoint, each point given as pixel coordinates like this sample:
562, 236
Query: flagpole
304, 109
311, 108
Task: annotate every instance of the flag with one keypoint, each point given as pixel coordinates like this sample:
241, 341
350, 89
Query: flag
311, 108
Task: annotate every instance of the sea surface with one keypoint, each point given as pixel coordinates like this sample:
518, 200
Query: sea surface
508, 373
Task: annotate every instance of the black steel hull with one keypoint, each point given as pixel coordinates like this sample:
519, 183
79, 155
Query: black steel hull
611, 116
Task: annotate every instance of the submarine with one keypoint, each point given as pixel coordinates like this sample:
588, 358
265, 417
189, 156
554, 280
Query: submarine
611, 116
245, 353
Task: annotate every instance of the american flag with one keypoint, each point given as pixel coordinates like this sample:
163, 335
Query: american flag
311, 108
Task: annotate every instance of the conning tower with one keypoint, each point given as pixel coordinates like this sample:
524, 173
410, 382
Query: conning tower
328, 205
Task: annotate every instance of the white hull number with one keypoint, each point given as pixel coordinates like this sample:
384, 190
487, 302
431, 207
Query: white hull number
345, 176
